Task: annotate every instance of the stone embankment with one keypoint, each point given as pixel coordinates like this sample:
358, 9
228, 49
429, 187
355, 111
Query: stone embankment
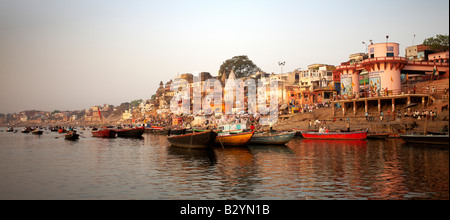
359, 122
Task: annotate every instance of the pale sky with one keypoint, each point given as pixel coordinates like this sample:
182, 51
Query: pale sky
70, 55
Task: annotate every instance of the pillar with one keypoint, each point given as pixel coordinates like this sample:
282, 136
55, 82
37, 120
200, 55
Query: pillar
366, 107
355, 82
379, 105
393, 105
409, 102
332, 107
343, 108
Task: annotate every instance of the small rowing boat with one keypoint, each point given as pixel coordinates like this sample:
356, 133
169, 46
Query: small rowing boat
426, 139
104, 133
71, 135
356, 135
37, 132
378, 136
240, 139
194, 140
130, 132
276, 138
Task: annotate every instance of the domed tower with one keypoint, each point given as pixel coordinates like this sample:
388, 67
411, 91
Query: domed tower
384, 66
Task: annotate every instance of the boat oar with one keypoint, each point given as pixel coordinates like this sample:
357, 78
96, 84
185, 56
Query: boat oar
220, 141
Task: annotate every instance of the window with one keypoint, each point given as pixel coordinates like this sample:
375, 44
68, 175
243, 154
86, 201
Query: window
390, 54
390, 48
371, 50
372, 55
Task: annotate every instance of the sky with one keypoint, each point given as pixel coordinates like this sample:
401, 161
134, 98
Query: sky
70, 55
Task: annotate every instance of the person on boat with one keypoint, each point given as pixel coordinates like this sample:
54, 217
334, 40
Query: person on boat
327, 130
321, 130
252, 127
348, 126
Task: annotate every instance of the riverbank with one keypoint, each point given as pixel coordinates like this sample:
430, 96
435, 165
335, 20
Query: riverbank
359, 122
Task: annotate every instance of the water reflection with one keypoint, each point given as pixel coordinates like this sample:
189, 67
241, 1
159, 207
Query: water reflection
94, 168
203, 156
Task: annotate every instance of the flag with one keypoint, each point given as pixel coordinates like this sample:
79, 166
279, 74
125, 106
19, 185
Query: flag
392, 79
353, 84
99, 114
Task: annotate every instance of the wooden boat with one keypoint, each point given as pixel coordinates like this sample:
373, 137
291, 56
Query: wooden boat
105, 133
26, 130
62, 130
71, 135
240, 139
37, 132
277, 138
426, 139
176, 131
356, 135
10, 129
194, 140
378, 136
299, 131
130, 132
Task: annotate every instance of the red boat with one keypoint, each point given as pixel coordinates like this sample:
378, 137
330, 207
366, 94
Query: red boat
130, 132
105, 133
356, 135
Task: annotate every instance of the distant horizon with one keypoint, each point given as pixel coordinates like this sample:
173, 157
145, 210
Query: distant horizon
65, 55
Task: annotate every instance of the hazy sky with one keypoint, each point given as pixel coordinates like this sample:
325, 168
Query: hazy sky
70, 55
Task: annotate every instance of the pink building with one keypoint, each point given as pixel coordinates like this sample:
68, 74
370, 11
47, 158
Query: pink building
385, 68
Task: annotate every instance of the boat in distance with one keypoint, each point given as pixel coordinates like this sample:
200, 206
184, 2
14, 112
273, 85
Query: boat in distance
378, 135
355, 135
130, 132
105, 133
71, 135
193, 140
276, 138
426, 139
37, 132
230, 139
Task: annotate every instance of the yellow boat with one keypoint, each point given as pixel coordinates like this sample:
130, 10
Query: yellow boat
239, 139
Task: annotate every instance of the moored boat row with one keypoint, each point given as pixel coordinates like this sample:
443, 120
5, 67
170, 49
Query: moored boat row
207, 139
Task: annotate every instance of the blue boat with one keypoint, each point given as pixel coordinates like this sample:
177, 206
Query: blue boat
280, 138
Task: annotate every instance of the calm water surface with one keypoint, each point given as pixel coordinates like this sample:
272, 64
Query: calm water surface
49, 167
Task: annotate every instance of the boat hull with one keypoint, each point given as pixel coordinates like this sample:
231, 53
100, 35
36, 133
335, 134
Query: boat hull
106, 133
194, 140
272, 139
378, 136
240, 139
130, 133
357, 135
426, 139
71, 136
37, 132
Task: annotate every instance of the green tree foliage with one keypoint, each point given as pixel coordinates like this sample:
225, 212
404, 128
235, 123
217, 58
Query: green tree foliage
136, 103
242, 66
438, 43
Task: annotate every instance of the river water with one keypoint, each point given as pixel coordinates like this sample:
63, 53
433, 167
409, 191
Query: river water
50, 167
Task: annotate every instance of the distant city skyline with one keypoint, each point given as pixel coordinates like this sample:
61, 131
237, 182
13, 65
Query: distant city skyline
70, 55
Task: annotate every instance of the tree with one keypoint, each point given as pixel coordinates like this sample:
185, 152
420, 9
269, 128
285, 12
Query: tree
135, 103
438, 43
241, 66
